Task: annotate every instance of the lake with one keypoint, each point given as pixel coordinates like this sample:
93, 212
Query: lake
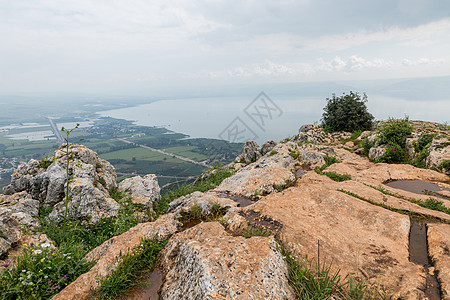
238, 119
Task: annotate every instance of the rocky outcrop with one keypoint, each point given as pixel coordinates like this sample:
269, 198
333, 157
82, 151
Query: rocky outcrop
250, 153
10, 232
24, 208
205, 262
142, 190
267, 147
376, 153
91, 180
439, 152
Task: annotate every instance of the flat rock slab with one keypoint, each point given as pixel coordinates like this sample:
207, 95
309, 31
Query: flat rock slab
358, 238
206, 262
439, 251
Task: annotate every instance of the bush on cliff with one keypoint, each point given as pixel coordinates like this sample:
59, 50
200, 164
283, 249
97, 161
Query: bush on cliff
395, 131
347, 113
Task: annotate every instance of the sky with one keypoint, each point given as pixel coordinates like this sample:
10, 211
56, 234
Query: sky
143, 47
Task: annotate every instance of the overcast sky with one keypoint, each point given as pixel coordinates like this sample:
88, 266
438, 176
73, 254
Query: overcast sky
138, 46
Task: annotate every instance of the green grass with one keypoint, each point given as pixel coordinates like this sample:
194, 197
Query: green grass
186, 151
140, 154
131, 267
255, 230
41, 271
413, 214
202, 186
310, 280
337, 177
329, 160
353, 137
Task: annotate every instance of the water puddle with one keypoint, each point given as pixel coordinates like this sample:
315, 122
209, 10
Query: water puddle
242, 201
418, 254
190, 223
149, 287
418, 187
255, 218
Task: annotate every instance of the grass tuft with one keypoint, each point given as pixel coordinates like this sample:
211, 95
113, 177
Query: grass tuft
131, 267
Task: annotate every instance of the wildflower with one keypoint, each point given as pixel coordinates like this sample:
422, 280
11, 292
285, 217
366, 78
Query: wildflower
37, 251
58, 286
6, 265
25, 245
53, 253
45, 277
65, 276
50, 282
23, 271
31, 244
42, 259
45, 245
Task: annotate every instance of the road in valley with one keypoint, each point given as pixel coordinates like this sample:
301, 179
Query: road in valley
201, 163
55, 130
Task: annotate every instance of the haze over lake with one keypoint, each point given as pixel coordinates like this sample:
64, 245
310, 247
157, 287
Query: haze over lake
213, 117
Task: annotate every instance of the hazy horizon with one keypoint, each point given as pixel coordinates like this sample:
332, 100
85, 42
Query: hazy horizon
199, 47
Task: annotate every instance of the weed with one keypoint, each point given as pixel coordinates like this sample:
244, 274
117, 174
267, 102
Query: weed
394, 154
254, 230
423, 142
337, 177
131, 267
116, 194
329, 160
433, 204
320, 282
367, 144
353, 137
195, 212
294, 155
273, 152
45, 162
41, 271
204, 185
102, 181
395, 131
445, 165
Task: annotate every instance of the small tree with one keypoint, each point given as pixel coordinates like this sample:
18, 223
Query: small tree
347, 113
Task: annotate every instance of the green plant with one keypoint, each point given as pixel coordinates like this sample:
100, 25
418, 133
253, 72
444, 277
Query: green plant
445, 165
433, 204
195, 212
353, 137
45, 162
423, 142
68, 198
329, 160
41, 271
347, 113
255, 230
102, 181
294, 155
204, 185
395, 131
131, 267
337, 177
394, 154
273, 152
367, 144
311, 280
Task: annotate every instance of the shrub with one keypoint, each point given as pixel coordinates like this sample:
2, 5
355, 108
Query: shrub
394, 154
367, 144
395, 132
347, 113
423, 141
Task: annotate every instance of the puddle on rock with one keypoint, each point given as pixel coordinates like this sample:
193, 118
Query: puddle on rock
149, 287
255, 218
418, 254
190, 223
241, 200
418, 187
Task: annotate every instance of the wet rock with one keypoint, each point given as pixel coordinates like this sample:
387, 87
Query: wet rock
205, 262
106, 255
143, 190
439, 251
250, 153
267, 147
376, 153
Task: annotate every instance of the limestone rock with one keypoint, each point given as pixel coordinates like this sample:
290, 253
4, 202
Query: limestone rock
312, 134
439, 152
23, 208
204, 200
88, 203
250, 153
376, 153
253, 183
143, 190
205, 262
10, 231
267, 147
439, 251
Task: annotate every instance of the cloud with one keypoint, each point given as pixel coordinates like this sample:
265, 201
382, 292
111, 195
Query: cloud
422, 61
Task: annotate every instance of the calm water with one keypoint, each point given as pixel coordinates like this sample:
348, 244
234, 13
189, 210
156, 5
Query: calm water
275, 118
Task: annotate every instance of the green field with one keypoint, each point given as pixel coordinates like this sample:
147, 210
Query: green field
139, 154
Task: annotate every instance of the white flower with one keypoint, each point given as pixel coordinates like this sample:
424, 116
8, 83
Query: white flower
45, 245
37, 251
